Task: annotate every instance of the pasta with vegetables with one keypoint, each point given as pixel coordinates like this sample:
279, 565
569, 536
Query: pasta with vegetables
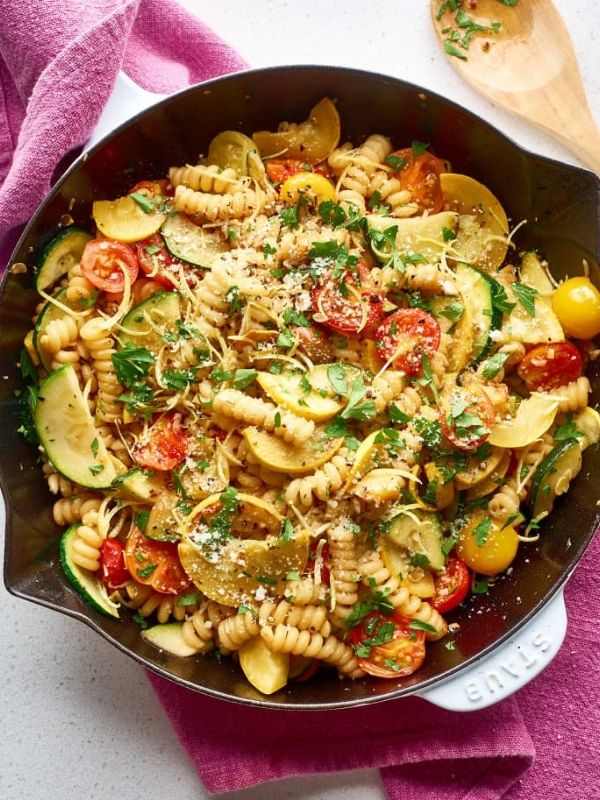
295, 398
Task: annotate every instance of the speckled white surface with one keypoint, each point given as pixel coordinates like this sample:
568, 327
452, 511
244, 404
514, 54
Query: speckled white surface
78, 718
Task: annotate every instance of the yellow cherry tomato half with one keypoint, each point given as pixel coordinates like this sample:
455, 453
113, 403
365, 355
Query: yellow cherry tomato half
576, 303
310, 185
487, 547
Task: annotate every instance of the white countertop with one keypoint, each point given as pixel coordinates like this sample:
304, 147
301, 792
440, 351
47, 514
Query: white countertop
79, 718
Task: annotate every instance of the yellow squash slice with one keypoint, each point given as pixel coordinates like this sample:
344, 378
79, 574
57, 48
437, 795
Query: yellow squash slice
397, 561
310, 141
230, 149
124, 220
477, 470
483, 225
281, 456
232, 571
533, 418
319, 404
266, 671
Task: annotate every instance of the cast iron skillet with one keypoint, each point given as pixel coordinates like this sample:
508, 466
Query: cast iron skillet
561, 204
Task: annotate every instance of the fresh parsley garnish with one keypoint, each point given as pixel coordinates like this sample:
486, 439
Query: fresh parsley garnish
526, 296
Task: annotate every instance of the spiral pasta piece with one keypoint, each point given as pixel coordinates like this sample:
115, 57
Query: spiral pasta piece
375, 574
78, 286
68, 510
88, 541
386, 388
219, 206
253, 411
322, 484
505, 502
391, 192
287, 639
573, 396
59, 334
206, 178
344, 566
101, 348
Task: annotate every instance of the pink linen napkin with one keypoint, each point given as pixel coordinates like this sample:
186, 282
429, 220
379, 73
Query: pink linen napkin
59, 60
58, 63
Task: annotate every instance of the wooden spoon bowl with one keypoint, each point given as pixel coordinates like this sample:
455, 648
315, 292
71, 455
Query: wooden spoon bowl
528, 67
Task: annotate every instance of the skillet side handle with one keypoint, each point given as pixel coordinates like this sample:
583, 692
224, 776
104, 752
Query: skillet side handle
504, 672
126, 100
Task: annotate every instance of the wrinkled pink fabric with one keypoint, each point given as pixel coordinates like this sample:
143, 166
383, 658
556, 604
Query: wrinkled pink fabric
58, 63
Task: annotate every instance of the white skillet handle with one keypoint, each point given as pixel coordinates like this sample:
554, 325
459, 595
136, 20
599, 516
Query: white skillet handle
127, 99
504, 672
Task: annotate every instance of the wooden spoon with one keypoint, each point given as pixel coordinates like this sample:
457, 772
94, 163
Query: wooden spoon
528, 67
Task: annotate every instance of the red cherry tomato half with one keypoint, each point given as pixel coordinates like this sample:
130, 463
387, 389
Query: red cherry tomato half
155, 564
105, 262
451, 586
112, 564
164, 446
401, 652
153, 188
467, 417
420, 175
309, 672
406, 336
314, 341
280, 169
548, 366
155, 260
348, 303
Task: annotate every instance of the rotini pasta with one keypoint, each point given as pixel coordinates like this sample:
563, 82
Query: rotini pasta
307, 414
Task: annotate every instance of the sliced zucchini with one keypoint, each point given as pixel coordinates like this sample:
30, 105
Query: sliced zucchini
138, 484
63, 252
169, 637
86, 583
267, 671
124, 220
535, 275
476, 292
520, 326
195, 245
66, 430
421, 534
146, 324
162, 524
553, 475
422, 235
48, 314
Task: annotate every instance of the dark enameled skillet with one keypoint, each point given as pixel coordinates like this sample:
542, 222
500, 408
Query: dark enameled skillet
561, 204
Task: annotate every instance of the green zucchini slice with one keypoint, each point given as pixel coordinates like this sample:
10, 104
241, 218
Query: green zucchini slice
553, 475
476, 292
169, 637
66, 430
420, 537
146, 324
63, 252
190, 243
90, 589
48, 314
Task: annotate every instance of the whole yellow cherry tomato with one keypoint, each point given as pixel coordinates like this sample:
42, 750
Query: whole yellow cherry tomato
576, 303
497, 549
316, 188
